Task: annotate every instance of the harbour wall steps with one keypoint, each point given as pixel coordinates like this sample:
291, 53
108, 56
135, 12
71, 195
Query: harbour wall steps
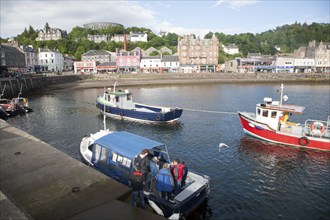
38, 181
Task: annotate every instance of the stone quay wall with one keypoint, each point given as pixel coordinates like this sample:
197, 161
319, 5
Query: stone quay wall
11, 87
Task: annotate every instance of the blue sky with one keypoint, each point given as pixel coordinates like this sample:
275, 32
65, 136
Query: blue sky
180, 17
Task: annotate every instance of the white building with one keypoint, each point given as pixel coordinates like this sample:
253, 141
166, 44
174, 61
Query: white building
85, 67
138, 37
170, 64
230, 49
305, 65
284, 65
50, 61
150, 64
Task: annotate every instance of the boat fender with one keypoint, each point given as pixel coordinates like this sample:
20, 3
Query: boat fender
155, 207
175, 216
251, 125
157, 117
303, 141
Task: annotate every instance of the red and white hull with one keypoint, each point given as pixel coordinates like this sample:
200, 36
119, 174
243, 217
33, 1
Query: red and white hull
264, 132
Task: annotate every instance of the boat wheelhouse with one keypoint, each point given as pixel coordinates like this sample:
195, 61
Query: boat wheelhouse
271, 123
113, 153
119, 104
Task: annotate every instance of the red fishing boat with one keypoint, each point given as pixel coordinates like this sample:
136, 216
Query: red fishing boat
271, 123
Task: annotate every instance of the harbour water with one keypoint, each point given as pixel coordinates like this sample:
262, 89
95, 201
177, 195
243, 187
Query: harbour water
250, 179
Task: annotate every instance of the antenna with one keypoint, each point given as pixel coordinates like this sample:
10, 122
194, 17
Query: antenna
104, 124
281, 100
114, 87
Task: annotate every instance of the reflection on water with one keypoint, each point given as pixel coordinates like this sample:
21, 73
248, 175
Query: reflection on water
250, 179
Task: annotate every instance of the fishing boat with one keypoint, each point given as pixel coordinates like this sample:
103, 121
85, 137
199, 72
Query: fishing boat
18, 105
271, 123
119, 104
113, 153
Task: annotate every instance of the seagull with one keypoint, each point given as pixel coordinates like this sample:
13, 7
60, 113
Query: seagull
221, 145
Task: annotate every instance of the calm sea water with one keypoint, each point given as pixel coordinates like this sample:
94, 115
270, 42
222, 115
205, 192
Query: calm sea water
250, 179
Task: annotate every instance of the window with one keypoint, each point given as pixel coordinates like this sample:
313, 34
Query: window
121, 160
96, 154
258, 111
273, 114
265, 113
104, 157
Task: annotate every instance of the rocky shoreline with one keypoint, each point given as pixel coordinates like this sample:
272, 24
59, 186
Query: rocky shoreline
100, 81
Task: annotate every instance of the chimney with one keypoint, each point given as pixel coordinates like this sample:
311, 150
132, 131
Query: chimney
125, 40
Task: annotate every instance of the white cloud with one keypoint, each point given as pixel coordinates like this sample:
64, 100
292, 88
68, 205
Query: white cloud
235, 4
68, 14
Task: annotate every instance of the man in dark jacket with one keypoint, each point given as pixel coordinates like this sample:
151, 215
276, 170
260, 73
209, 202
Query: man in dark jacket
142, 160
136, 182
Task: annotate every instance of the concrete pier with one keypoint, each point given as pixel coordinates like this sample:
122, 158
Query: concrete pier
38, 181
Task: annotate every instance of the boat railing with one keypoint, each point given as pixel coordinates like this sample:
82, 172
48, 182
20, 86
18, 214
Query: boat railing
317, 128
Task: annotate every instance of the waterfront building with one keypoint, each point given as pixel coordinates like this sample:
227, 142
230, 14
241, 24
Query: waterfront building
85, 67
99, 56
97, 38
12, 59
31, 59
51, 34
170, 64
128, 61
230, 49
320, 52
68, 63
304, 65
106, 67
151, 64
231, 66
50, 60
200, 55
284, 65
101, 25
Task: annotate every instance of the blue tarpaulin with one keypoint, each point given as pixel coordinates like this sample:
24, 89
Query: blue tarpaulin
127, 143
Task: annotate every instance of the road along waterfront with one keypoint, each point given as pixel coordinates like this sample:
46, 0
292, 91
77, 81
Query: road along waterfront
250, 179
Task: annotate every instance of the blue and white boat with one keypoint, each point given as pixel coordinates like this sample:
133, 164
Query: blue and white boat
113, 154
119, 104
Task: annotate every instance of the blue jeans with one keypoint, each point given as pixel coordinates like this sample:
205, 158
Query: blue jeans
135, 194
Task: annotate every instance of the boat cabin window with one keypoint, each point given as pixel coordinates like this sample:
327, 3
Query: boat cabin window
124, 161
129, 97
265, 113
96, 155
104, 157
273, 114
258, 111
117, 98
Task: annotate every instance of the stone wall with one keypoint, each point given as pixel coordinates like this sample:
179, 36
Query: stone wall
10, 87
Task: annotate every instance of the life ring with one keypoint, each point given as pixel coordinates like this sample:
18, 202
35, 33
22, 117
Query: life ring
317, 128
157, 117
303, 141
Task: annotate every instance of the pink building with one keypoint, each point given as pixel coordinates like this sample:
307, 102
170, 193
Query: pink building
128, 61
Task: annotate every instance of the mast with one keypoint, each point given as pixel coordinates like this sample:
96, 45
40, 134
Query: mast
281, 100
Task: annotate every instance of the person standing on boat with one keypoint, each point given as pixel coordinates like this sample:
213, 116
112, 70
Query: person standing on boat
136, 182
185, 173
153, 172
165, 182
177, 172
143, 161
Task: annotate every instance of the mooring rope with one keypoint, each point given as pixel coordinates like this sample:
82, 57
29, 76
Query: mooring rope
207, 111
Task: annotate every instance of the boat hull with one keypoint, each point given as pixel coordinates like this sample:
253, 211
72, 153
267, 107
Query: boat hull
134, 114
262, 131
